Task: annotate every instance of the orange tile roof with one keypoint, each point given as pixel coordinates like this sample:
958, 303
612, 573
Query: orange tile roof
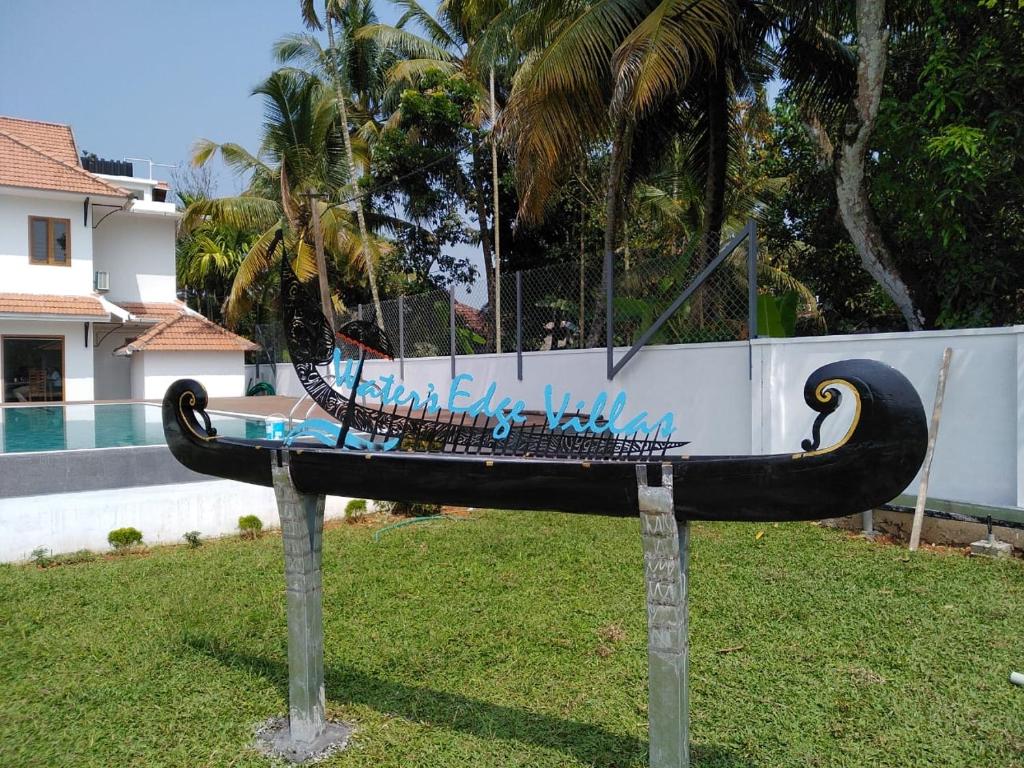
40, 155
188, 333
25, 166
152, 312
47, 304
53, 139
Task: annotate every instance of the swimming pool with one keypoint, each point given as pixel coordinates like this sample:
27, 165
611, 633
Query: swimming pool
67, 427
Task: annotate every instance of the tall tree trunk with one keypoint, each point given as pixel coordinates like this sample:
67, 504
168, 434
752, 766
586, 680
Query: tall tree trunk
849, 155
321, 261
717, 110
718, 161
622, 144
496, 222
357, 202
480, 200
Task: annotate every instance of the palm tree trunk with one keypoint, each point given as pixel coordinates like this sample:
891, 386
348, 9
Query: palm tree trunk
494, 219
622, 140
480, 200
717, 109
321, 260
357, 203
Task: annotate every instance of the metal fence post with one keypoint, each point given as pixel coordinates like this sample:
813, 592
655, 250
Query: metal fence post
401, 337
519, 325
609, 317
752, 279
451, 326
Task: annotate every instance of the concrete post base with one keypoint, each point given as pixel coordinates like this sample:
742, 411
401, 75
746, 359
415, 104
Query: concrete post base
274, 739
991, 548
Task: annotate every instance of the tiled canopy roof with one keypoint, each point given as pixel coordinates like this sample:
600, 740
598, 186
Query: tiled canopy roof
45, 304
25, 164
188, 333
153, 312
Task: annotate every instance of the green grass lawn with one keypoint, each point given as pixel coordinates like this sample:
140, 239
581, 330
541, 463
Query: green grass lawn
518, 639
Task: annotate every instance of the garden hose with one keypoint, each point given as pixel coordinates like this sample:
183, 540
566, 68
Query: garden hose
260, 389
410, 521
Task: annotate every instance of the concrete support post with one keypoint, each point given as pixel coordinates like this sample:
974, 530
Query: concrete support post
666, 574
302, 524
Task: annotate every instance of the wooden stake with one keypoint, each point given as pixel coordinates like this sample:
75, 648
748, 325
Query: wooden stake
933, 433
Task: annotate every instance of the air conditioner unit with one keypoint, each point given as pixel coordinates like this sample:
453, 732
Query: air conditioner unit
103, 281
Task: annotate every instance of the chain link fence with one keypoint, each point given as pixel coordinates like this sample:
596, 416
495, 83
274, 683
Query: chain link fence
565, 306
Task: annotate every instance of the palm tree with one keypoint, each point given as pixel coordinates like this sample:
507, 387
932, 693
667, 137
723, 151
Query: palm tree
459, 41
607, 72
301, 153
334, 12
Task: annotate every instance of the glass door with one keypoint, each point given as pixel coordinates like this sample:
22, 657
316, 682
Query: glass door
33, 369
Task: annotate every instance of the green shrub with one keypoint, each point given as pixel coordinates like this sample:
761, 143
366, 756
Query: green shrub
355, 508
124, 538
408, 509
250, 526
41, 557
192, 539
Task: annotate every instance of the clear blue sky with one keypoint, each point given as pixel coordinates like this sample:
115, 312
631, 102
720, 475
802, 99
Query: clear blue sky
141, 78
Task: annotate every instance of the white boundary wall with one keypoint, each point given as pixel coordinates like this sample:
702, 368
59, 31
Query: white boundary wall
747, 397
67, 522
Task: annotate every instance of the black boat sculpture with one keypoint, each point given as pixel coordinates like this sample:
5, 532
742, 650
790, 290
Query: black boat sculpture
441, 459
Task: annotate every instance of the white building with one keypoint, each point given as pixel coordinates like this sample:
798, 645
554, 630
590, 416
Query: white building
88, 306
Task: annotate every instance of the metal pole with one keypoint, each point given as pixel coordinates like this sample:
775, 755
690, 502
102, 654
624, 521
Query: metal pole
752, 279
751, 294
868, 524
519, 325
609, 318
401, 337
302, 523
666, 544
451, 326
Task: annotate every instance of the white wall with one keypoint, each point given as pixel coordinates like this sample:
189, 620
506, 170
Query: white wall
163, 513
112, 372
18, 275
740, 397
78, 359
978, 454
138, 253
222, 373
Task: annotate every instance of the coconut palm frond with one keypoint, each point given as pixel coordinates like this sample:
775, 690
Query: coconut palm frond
406, 42
243, 212
435, 31
658, 56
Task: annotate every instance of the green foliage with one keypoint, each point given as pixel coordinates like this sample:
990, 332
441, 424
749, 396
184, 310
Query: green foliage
417, 166
776, 315
250, 526
124, 538
192, 539
944, 169
41, 557
408, 509
355, 508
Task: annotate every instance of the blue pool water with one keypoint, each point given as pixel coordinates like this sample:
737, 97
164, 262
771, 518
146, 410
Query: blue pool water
70, 427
